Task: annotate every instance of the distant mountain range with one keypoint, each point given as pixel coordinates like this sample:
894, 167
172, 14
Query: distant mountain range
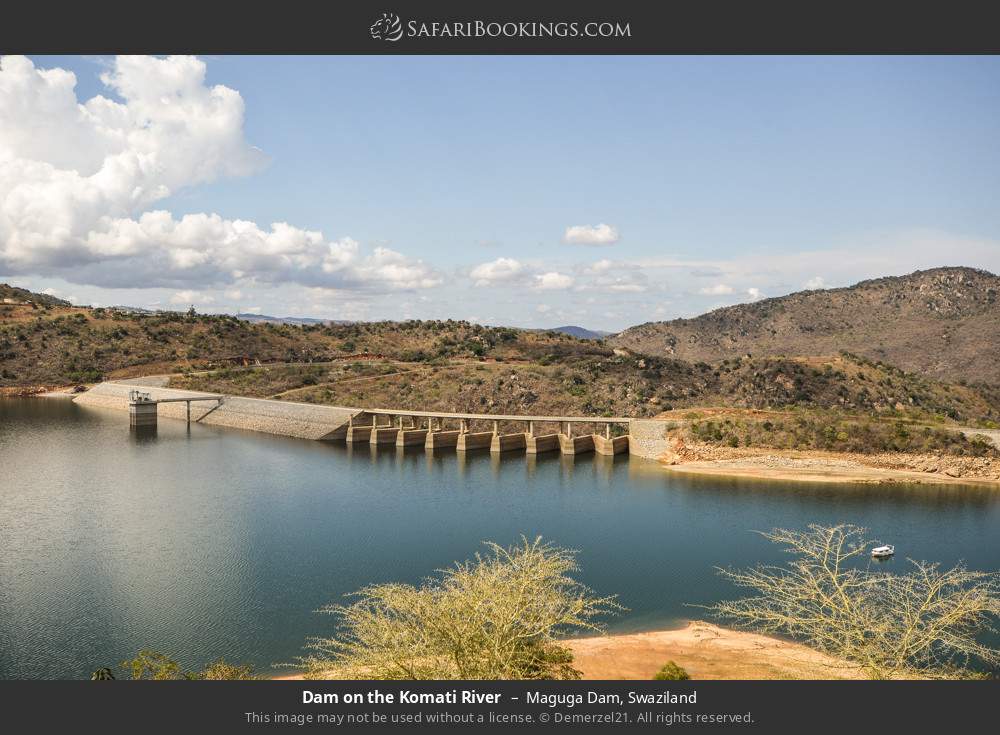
943, 322
247, 317
20, 295
571, 330
580, 332
288, 319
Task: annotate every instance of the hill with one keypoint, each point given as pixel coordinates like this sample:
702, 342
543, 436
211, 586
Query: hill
943, 322
580, 379
455, 365
17, 295
56, 345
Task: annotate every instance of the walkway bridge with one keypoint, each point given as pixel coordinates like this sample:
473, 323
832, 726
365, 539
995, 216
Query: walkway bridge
143, 409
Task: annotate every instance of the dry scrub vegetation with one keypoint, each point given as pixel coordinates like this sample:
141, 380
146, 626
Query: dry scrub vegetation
498, 616
569, 380
922, 622
832, 432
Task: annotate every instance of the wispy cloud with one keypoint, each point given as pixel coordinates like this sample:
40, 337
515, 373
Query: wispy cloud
191, 297
719, 289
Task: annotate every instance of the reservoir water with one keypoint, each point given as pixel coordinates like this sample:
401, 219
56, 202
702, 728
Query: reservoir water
208, 542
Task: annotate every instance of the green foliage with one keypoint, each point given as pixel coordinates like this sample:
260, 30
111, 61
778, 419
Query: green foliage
154, 666
671, 672
85, 375
497, 616
222, 671
832, 432
924, 621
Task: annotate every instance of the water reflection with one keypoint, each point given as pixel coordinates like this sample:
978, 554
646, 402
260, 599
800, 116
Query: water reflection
604, 464
535, 463
860, 495
143, 434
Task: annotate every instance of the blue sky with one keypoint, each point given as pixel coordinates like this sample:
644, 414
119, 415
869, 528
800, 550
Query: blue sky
719, 180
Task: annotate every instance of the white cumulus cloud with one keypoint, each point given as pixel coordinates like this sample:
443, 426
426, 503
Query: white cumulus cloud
497, 271
591, 235
80, 180
553, 281
816, 283
754, 293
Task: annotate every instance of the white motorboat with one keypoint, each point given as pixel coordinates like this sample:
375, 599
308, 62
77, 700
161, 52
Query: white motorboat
882, 552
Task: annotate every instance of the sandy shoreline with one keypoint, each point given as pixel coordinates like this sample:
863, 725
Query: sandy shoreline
819, 470
704, 650
815, 465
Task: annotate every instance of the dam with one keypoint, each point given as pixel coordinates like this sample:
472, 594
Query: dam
497, 433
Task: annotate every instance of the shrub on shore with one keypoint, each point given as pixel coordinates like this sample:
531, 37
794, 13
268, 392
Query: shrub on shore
497, 616
927, 622
155, 666
671, 672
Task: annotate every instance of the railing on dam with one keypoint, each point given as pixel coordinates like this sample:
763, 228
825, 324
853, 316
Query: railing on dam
497, 417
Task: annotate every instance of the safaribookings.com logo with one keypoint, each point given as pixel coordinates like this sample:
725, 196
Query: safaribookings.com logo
387, 28
390, 28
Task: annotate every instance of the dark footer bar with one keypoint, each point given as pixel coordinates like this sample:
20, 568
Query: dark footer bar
355, 706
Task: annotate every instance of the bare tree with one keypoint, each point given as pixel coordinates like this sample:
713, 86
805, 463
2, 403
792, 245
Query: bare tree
924, 622
496, 616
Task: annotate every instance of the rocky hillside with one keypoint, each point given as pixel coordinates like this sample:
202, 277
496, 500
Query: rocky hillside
848, 383
456, 365
562, 381
943, 323
569, 380
43, 344
14, 295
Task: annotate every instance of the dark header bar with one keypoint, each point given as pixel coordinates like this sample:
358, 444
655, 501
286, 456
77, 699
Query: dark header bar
518, 27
